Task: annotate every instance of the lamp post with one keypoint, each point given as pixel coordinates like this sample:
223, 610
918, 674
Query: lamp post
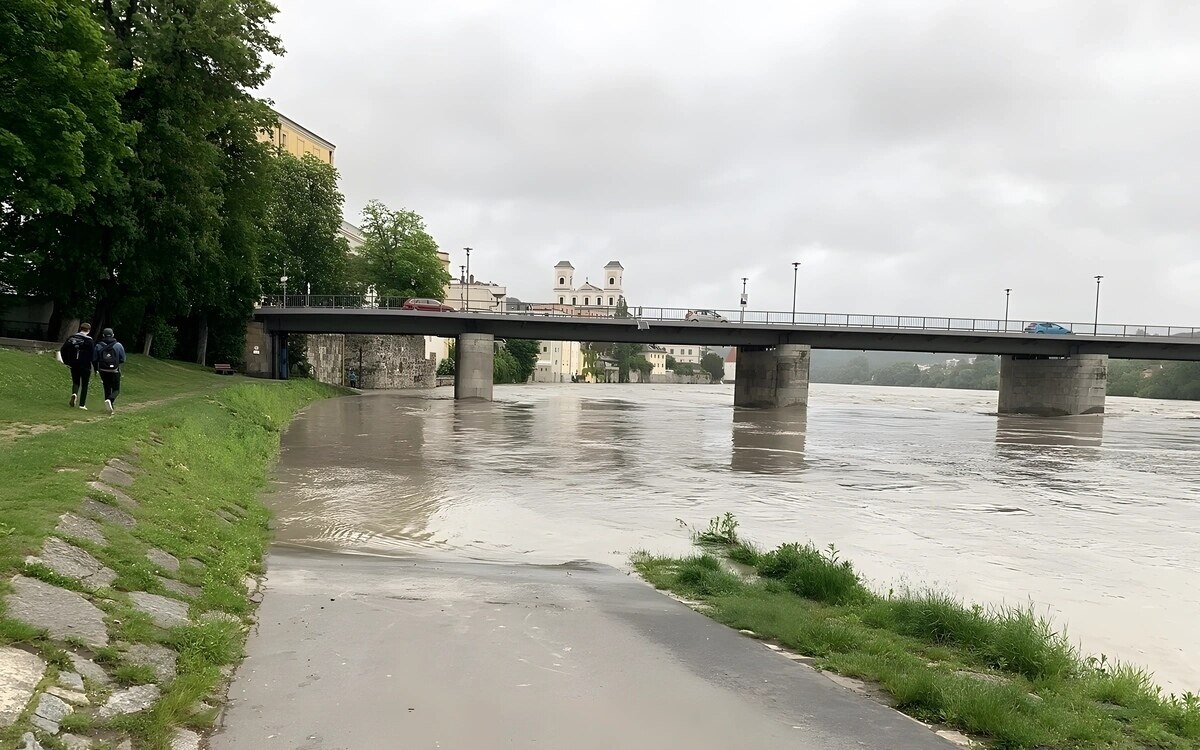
283, 280
468, 278
795, 277
462, 287
308, 294
742, 316
1006, 293
1096, 320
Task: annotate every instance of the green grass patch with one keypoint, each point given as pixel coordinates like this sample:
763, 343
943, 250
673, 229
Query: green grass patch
201, 443
1003, 674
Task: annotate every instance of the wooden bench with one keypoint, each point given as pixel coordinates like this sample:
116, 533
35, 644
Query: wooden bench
223, 369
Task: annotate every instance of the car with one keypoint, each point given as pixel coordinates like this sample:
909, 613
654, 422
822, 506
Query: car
426, 305
1053, 329
698, 316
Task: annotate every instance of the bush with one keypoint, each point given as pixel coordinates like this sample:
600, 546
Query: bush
813, 574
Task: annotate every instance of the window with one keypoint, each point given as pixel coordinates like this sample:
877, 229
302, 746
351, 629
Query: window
610, 301
282, 139
562, 281
561, 300
672, 351
545, 349
587, 300
574, 300
612, 281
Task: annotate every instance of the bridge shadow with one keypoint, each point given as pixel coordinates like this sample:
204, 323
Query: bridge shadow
769, 441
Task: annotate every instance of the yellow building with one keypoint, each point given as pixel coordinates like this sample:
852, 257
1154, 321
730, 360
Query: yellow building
298, 140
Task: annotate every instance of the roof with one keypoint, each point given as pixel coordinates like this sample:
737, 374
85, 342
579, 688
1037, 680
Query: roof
588, 286
614, 264
731, 355
297, 126
563, 264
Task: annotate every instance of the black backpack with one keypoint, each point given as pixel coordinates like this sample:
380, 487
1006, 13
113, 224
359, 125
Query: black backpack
70, 350
108, 357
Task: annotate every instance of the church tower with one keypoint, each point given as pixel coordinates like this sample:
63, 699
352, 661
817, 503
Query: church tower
564, 280
613, 282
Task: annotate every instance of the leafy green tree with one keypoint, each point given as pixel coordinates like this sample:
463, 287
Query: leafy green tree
714, 365
61, 140
591, 363
899, 373
301, 236
626, 354
525, 353
671, 363
505, 368
399, 257
622, 307
642, 366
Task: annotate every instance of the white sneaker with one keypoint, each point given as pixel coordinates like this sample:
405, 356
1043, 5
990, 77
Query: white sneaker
74, 399
108, 405
83, 407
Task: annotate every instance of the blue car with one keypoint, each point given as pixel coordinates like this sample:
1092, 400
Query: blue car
1053, 329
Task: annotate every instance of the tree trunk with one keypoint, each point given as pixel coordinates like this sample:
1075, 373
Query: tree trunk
202, 342
149, 343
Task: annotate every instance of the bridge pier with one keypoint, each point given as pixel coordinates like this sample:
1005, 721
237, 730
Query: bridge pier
1058, 387
474, 355
772, 377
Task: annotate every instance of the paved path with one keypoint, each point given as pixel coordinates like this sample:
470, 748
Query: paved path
359, 652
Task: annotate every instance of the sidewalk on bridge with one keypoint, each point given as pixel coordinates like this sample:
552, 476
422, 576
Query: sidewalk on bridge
365, 652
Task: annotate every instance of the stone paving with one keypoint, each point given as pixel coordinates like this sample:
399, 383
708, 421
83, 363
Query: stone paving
63, 614
71, 618
71, 562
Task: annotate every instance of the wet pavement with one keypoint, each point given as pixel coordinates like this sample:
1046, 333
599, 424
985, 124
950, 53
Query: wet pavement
355, 651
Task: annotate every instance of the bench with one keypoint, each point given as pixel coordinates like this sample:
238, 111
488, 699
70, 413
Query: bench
223, 369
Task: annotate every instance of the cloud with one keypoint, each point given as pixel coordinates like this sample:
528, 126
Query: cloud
918, 158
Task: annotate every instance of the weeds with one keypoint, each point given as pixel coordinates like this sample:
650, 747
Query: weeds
1003, 673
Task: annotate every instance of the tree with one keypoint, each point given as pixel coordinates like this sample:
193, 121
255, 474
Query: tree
525, 353
641, 365
591, 363
898, 373
61, 139
447, 365
302, 239
505, 368
398, 257
714, 365
626, 354
670, 363
622, 307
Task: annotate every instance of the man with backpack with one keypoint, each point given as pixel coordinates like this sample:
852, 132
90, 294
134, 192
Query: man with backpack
77, 352
109, 357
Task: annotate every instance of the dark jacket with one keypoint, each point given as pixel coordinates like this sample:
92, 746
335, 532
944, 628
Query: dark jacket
78, 351
117, 349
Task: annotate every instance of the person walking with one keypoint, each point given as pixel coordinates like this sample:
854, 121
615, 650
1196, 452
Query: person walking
77, 353
109, 356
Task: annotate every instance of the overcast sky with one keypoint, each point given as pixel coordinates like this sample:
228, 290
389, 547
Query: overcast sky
916, 157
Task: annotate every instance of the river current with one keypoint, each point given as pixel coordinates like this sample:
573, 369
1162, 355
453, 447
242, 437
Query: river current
1093, 520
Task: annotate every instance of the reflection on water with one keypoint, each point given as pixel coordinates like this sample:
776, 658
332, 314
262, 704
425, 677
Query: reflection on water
1092, 519
768, 441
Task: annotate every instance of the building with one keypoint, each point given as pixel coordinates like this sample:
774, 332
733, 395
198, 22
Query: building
353, 236
298, 140
656, 355
684, 353
475, 295
730, 366
559, 362
588, 295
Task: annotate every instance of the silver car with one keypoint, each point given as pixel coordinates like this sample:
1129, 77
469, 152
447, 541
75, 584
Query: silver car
704, 316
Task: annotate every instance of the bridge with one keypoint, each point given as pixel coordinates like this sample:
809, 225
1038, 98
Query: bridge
1039, 373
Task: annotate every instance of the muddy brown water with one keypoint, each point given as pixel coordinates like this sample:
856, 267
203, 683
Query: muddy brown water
1093, 520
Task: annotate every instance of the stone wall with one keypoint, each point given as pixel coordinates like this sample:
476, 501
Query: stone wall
258, 355
700, 378
326, 355
1053, 387
388, 362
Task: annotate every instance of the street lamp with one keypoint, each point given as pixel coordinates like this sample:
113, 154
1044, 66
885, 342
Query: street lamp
468, 278
462, 287
795, 277
742, 316
1006, 293
1096, 320
283, 280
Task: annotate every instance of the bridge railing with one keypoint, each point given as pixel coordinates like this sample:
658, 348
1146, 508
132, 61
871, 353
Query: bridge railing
756, 317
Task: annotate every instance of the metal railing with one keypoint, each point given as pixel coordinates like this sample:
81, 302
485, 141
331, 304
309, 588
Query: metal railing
752, 317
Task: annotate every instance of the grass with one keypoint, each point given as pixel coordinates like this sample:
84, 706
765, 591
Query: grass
201, 442
1003, 674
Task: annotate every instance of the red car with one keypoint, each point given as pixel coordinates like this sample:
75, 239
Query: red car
426, 305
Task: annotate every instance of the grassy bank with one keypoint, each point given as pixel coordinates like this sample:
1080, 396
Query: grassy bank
1002, 674
201, 445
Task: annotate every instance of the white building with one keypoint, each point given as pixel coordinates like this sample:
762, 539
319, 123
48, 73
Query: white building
657, 357
559, 362
588, 295
730, 366
684, 353
476, 296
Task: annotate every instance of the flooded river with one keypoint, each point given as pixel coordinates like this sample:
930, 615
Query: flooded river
1095, 520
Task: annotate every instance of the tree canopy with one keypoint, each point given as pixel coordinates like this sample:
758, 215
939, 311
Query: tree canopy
399, 257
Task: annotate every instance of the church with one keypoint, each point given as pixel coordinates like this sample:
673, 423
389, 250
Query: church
588, 295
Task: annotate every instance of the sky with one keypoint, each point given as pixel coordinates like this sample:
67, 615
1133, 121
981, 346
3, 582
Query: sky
916, 158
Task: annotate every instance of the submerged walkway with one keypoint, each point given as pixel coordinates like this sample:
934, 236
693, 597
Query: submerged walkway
363, 652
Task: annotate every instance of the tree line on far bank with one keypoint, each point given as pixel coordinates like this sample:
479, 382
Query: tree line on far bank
1146, 379
137, 190
514, 362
